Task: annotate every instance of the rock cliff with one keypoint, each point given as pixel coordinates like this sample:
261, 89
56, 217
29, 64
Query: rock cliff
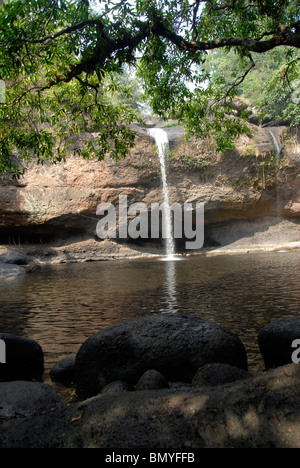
252, 189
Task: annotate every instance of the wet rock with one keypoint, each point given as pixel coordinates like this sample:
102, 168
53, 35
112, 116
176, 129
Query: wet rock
152, 380
24, 358
175, 345
217, 374
64, 372
19, 399
16, 257
275, 341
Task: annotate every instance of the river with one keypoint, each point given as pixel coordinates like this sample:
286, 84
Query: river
60, 306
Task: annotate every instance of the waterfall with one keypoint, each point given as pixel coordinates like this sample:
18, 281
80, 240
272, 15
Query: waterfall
162, 141
278, 150
161, 138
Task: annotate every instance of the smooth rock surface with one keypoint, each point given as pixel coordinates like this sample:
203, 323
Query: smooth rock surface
173, 344
275, 341
217, 374
152, 380
15, 257
116, 387
24, 358
19, 398
64, 371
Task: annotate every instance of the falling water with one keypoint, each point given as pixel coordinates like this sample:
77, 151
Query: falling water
278, 151
275, 143
162, 141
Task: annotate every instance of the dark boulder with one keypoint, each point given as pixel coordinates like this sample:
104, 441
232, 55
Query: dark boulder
215, 374
64, 372
173, 344
152, 380
15, 257
260, 412
275, 341
24, 358
19, 399
116, 387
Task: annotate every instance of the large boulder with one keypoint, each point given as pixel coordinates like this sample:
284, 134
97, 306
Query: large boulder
24, 358
276, 339
21, 398
173, 344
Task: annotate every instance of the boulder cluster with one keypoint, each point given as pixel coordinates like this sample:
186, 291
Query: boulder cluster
155, 352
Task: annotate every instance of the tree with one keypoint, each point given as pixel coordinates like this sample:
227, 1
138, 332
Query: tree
269, 85
57, 57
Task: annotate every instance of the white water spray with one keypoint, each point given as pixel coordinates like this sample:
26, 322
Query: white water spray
275, 143
278, 151
162, 141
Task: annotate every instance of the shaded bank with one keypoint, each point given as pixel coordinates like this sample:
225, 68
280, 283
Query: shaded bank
263, 411
238, 237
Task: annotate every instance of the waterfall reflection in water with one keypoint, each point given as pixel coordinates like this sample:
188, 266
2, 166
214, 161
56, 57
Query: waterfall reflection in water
62, 305
170, 285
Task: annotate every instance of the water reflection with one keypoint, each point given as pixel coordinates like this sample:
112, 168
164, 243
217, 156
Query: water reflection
63, 305
170, 285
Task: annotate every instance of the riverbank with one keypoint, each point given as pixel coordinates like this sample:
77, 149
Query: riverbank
238, 238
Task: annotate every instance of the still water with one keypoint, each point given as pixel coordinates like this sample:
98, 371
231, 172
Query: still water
60, 306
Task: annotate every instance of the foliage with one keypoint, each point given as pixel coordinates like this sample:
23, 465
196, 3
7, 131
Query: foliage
190, 160
63, 60
270, 85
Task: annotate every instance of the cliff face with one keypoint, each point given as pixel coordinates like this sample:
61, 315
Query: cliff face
249, 184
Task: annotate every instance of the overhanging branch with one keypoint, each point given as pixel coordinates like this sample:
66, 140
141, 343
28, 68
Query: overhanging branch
284, 36
107, 46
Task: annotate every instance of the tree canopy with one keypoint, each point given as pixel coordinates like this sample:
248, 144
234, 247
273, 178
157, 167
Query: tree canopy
267, 91
60, 60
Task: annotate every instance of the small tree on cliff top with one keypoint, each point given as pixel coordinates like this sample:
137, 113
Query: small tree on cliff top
59, 59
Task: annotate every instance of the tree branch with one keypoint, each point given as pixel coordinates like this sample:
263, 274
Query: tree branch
283, 37
107, 46
69, 30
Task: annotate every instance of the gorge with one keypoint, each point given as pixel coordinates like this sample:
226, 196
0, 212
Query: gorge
251, 198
